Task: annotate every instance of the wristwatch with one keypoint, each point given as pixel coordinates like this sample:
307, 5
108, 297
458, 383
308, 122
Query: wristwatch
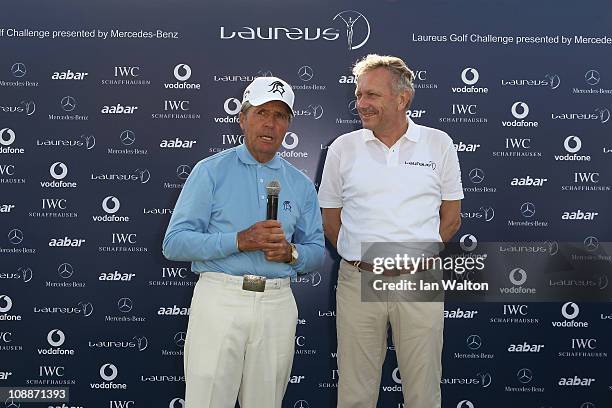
294, 255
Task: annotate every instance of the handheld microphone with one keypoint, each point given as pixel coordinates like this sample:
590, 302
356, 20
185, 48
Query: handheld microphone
273, 189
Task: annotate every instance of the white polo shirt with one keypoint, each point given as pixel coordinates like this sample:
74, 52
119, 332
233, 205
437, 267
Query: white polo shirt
389, 194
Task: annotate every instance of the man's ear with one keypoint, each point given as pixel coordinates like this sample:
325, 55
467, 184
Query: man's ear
404, 99
241, 118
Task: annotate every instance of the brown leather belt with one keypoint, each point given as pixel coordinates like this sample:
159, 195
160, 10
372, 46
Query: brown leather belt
364, 266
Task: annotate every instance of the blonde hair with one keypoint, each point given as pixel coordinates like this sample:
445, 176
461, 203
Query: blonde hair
403, 75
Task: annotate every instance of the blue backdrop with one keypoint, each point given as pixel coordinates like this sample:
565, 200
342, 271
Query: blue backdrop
106, 106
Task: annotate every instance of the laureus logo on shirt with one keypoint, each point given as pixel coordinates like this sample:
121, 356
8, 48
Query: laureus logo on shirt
287, 205
430, 164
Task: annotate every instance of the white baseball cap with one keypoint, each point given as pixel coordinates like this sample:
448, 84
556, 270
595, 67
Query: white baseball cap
266, 89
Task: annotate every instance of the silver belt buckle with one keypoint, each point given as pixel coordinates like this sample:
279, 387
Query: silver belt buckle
254, 283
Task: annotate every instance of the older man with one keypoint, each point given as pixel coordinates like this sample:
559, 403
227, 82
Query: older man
392, 181
240, 337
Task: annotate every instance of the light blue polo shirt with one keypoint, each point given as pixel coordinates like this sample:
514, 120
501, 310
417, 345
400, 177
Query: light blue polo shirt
225, 194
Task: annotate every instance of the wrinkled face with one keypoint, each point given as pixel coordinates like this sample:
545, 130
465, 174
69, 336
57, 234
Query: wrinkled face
264, 129
379, 106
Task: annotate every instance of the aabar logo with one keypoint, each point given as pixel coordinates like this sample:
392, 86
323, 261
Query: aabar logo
118, 109
69, 75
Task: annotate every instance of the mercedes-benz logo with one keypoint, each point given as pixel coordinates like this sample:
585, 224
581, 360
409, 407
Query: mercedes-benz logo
127, 137
473, 342
592, 77
527, 210
175, 401
68, 103
179, 338
524, 375
465, 404
125, 305
352, 105
8, 303
305, 73
476, 175
18, 70
61, 338
10, 403
183, 171
15, 236
587, 405
11, 137
521, 280
65, 270
182, 72
113, 370
301, 404
591, 243
466, 73
553, 247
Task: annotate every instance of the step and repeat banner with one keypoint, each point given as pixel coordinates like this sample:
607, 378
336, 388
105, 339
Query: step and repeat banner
105, 107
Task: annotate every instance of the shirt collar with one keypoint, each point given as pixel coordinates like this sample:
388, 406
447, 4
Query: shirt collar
247, 158
413, 133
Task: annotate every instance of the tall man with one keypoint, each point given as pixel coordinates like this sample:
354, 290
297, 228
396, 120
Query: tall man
392, 181
241, 333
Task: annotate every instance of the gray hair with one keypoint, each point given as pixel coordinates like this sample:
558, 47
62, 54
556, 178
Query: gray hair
404, 76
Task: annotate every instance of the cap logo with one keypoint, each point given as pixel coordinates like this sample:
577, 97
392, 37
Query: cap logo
277, 86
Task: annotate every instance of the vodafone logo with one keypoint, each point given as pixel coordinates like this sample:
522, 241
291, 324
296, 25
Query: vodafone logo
290, 141
467, 73
570, 310
521, 279
114, 207
8, 303
572, 144
58, 170
7, 137
53, 334
182, 72
232, 106
113, 372
468, 242
520, 110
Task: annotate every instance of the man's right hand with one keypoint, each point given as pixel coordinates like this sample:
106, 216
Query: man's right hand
263, 235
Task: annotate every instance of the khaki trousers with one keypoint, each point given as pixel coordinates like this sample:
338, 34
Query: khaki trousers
239, 344
362, 344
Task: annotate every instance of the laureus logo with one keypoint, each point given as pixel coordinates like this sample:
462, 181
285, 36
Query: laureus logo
357, 28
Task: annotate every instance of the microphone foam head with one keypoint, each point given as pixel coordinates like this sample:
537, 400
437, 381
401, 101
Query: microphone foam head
273, 187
